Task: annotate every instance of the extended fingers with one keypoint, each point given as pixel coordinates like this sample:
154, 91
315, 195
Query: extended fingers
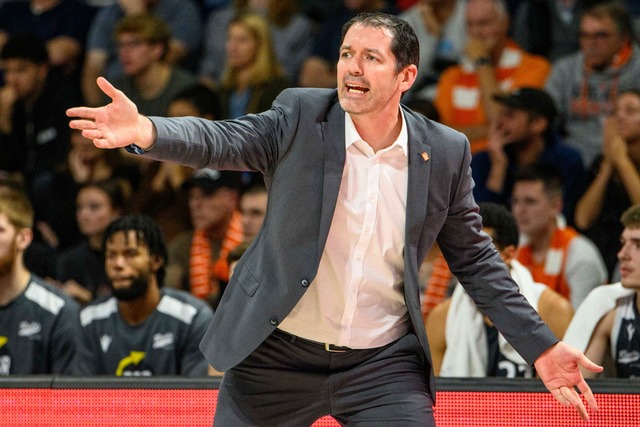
588, 395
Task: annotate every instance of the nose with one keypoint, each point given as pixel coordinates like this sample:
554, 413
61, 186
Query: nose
622, 253
355, 68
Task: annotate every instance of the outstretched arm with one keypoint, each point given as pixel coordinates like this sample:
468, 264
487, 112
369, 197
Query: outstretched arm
114, 125
558, 368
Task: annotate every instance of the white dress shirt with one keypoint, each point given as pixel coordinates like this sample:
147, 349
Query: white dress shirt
357, 299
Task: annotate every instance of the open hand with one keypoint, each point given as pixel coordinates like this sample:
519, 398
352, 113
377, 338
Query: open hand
558, 370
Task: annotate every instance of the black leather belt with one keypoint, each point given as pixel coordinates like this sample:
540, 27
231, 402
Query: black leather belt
331, 348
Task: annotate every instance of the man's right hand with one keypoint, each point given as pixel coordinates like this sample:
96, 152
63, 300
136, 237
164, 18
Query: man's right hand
114, 125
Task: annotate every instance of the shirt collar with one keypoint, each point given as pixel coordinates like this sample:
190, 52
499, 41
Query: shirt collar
352, 135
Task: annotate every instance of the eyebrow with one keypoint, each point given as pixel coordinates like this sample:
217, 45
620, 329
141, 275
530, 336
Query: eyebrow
368, 50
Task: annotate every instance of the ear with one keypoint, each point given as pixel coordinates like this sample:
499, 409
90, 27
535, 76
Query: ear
407, 77
24, 238
508, 254
156, 263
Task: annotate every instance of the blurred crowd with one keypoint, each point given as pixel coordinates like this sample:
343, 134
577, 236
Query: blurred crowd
546, 91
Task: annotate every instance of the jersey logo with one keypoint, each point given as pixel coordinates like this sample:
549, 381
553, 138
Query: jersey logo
29, 329
630, 331
163, 340
134, 358
105, 342
3, 341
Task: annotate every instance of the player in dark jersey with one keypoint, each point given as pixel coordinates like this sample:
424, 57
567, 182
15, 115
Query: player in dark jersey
143, 329
38, 323
617, 331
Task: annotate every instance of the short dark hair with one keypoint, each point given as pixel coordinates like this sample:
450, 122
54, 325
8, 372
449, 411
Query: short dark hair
203, 98
404, 46
631, 217
148, 233
27, 47
614, 10
549, 176
502, 221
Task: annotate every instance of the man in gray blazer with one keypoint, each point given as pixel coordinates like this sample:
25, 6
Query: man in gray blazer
322, 314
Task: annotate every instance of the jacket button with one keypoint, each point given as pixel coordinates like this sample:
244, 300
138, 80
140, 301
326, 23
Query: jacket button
304, 283
273, 321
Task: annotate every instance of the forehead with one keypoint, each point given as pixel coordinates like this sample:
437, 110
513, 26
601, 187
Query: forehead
128, 238
368, 37
631, 233
604, 22
529, 187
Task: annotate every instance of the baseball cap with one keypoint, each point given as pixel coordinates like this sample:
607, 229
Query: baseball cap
530, 99
210, 180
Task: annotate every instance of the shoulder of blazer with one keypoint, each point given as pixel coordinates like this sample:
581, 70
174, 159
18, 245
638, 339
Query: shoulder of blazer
312, 101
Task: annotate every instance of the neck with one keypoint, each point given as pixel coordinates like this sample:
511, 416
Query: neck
151, 82
242, 79
95, 241
529, 151
13, 283
633, 148
137, 311
540, 242
379, 130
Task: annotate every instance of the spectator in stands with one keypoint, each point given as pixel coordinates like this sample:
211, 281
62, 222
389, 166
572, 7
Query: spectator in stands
182, 16
493, 63
80, 269
34, 132
586, 84
198, 258
464, 343
161, 195
253, 207
252, 77
440, 27
555, 253
291, 32
149, 80
607, 324
614, 179
38, 323
522, 134
319, 69
549, 28
57, 204
144, 329
62, 24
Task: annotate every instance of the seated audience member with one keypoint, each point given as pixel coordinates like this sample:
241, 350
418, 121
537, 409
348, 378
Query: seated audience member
144, 329
160, 195
492, 64
549, 28
38, 323
34, 131
607, 323
149, 80
555, 253
80, 269
253, 77
613, 180
463, 341
440, 28
585, 85
62, 24
182, 16
291, 32
319, 68
524, 133
198, 258
253, 207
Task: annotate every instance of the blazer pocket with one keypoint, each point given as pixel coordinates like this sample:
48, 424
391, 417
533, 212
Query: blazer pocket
247, 281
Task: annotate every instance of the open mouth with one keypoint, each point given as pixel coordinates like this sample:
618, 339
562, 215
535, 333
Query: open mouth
356, 89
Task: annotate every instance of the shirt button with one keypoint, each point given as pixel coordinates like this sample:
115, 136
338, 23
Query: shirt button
304, 283
273, 321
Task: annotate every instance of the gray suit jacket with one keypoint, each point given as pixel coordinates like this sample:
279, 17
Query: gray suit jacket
299, 147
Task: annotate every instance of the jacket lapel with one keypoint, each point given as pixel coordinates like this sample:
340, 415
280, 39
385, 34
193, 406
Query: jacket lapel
334, 157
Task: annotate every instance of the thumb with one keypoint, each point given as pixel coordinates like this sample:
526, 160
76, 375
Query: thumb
107, 88
586, 363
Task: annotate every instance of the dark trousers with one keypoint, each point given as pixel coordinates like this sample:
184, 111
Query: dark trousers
288, 381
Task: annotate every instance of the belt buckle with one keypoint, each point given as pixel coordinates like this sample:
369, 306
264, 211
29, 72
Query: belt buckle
329, 347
